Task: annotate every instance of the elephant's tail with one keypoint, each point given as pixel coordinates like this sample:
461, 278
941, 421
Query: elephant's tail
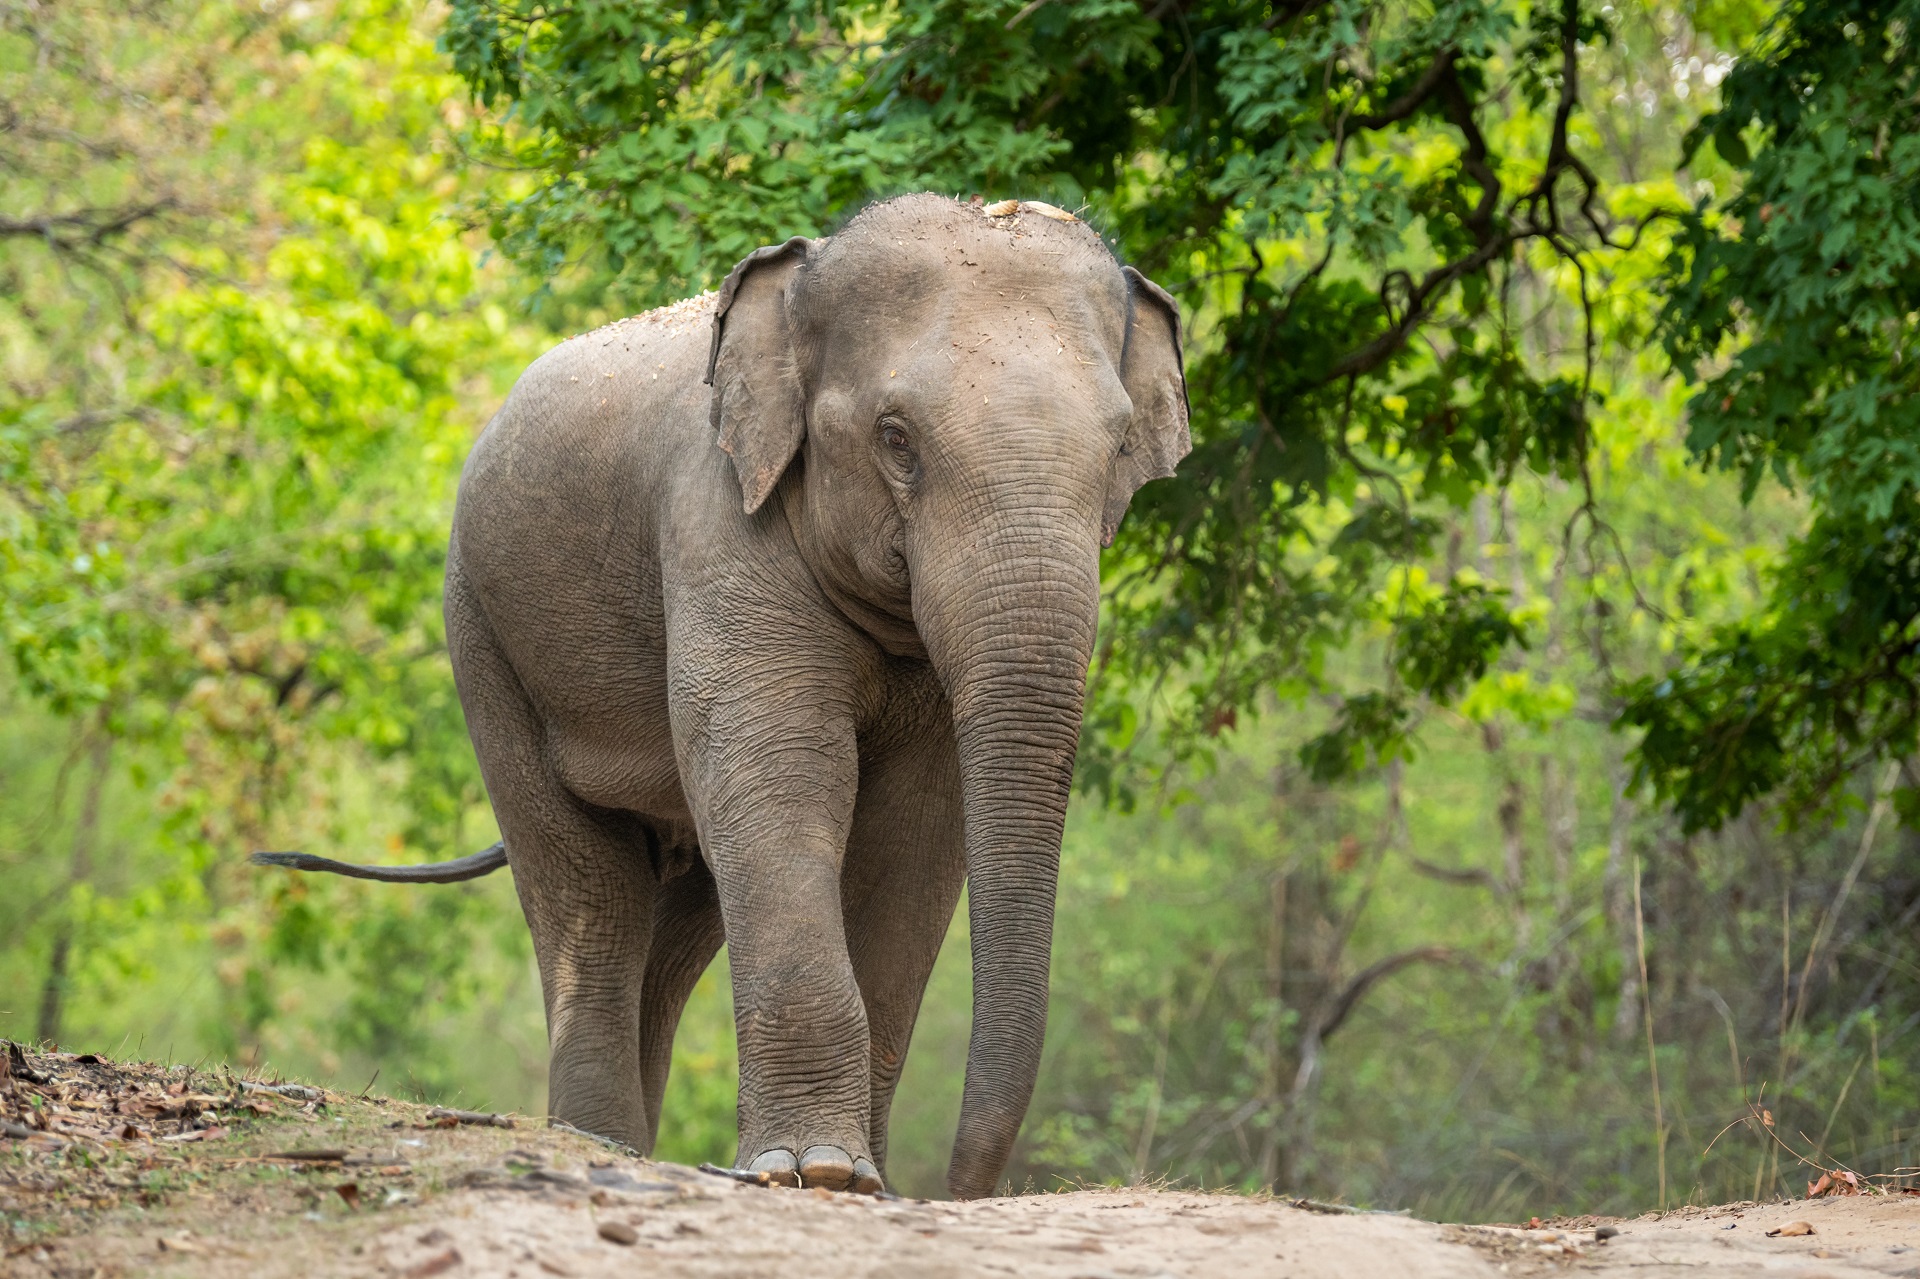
484, 862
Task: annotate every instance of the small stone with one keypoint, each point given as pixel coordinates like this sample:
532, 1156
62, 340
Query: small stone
438, 1263
619, 1232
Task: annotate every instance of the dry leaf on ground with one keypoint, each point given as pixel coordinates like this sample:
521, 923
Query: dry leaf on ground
1837, 1182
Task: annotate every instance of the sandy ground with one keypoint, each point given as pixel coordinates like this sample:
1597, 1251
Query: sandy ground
386, 1188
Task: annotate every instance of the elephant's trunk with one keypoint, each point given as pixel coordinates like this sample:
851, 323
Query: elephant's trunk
1008, 620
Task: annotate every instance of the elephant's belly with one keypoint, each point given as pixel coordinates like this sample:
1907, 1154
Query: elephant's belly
621, 755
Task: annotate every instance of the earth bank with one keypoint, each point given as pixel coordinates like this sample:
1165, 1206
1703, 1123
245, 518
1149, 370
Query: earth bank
132, 1169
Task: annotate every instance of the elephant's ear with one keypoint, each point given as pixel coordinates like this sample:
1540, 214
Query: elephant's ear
1154, 373
759, 406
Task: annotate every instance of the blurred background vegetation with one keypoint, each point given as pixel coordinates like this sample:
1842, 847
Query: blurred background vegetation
1496, 797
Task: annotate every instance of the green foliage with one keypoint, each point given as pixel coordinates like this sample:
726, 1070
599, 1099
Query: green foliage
1442, 645
1794, 306
674, 141
1368, 726
241, 390
1196, 947
1499, 1070
1452, 642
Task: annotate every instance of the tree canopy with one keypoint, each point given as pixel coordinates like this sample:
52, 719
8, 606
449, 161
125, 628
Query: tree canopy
1793, 307
242, 337
1403, 232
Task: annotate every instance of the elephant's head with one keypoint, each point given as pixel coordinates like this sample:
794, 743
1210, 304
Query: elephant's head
952, 406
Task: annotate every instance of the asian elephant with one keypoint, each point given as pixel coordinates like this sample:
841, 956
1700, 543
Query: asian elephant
790, 691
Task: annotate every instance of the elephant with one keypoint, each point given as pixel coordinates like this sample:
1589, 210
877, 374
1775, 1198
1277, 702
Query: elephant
771, 613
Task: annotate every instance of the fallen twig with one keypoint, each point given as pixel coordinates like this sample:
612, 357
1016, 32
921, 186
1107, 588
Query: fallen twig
1348, 1210
443, 1115
742, 1175
299, 1092
17, 1065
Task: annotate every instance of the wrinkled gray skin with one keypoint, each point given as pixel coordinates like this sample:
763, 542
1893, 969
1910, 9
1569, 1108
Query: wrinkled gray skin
790, 691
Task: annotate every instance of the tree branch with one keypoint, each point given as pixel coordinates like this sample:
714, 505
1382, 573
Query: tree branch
1475, 158
1344, 1003
1410, 101
84, 228
1365, 359
1462, 875
1288, 12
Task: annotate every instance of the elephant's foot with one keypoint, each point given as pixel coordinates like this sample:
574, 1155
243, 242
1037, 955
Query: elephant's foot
828, 1167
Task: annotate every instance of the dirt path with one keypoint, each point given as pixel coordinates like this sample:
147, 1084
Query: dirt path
126, 1170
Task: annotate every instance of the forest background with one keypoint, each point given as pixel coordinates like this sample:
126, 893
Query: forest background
1495, 796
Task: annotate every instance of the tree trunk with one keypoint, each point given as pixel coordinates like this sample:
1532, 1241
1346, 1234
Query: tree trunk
1562, 817
1617, 893
1513, 846
53, 993
1275, 1101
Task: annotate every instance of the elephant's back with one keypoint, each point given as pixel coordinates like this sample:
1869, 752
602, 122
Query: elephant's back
583, 414
571, 463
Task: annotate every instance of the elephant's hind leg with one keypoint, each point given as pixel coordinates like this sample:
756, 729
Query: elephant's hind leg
687, 934
586, 887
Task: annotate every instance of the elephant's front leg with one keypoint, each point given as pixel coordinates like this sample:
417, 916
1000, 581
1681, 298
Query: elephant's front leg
772, 773
906, 862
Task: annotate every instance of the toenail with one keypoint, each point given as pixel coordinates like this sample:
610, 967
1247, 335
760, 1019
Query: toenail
779, 1165
828, 1166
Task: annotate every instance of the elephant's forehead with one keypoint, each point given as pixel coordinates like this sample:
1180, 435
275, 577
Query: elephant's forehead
912, 254
989, 287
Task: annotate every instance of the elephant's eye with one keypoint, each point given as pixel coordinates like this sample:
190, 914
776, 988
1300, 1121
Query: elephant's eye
894, 437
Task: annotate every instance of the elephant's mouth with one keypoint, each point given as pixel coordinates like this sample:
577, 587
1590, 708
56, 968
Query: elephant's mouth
894, 631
